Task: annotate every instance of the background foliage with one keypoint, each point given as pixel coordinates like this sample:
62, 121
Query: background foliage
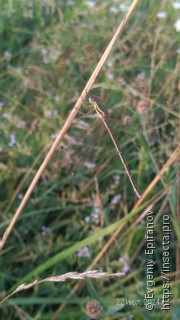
48, 51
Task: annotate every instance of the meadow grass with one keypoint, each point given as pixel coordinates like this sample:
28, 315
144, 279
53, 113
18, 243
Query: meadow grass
91, 220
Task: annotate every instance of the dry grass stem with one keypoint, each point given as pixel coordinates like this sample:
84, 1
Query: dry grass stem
93, 274
68, 122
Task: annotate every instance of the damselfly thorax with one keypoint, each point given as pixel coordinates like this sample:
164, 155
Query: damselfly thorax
99, 108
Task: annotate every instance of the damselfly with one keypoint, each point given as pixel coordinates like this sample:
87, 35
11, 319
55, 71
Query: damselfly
104, 115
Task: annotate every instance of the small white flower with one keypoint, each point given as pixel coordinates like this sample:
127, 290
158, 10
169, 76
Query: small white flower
178, 51
57, 98
125, 263
124, 7
91, 3
122, 81
116, 179
95, 215
141, 75
12, 141
87, 219
96, 210
161, 14
110, 76
20, 196
83, 252
116, 199
46, 60
44, 230
114, 9
176, 5
177, 25
109, 63
54, 136
48, 113
12, 137
7, 54
21, 124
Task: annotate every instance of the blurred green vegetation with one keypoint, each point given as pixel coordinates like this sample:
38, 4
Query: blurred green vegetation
48, 52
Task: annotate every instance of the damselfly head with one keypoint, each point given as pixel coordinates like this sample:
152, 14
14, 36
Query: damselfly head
93, 98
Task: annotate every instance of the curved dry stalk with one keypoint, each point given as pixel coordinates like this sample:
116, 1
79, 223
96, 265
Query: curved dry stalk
94, 274
68, 122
